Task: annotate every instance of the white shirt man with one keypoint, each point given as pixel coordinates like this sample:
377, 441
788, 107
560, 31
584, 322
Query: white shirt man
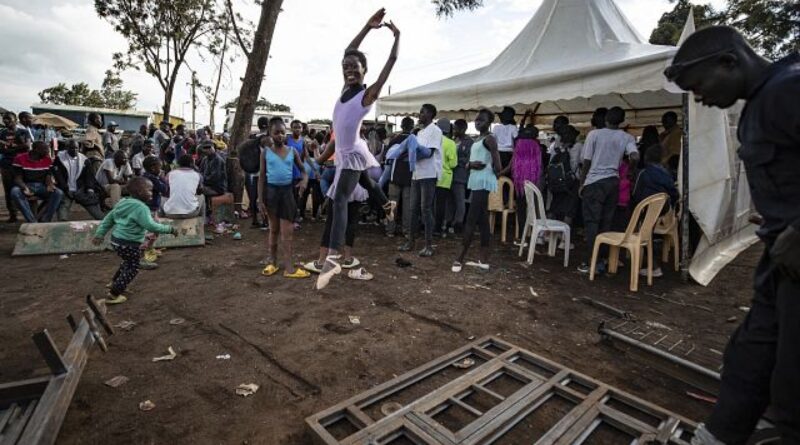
183, 201
430, 168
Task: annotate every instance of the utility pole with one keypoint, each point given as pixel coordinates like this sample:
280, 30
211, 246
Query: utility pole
194, 99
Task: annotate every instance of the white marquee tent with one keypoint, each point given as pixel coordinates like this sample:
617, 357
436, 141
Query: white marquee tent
576, 55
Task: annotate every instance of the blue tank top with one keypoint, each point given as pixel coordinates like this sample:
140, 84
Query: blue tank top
279, 170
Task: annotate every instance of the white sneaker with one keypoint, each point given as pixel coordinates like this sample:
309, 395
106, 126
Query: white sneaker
657, 273
456, 267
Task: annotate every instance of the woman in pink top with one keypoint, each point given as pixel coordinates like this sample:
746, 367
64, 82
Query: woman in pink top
353, 158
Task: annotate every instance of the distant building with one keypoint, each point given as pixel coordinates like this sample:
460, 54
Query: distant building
174, 120
230, 113
128, 120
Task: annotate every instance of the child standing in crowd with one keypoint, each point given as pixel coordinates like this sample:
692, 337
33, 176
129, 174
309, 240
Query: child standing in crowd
505, 134
280, 207
444, 198
130, 219
313, 189
460, 174
484, 165
153, 173
562, 180
525, 165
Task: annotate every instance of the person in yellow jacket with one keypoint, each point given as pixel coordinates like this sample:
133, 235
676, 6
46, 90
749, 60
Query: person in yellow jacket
444, 195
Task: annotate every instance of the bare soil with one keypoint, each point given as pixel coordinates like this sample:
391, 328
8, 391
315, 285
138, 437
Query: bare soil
299, 344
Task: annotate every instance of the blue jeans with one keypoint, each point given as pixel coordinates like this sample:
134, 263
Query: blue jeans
326, 178
53, 200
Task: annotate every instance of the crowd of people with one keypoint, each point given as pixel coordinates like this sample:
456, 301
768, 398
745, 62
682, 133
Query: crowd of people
434, 180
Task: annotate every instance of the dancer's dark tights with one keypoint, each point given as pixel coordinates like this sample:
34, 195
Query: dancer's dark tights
478, 215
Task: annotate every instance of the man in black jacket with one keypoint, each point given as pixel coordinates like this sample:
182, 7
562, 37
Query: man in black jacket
762, 360
73, 175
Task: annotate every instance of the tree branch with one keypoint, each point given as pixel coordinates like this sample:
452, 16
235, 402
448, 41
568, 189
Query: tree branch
232, 18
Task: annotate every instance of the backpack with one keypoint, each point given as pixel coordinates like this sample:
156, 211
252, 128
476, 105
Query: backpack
560, 177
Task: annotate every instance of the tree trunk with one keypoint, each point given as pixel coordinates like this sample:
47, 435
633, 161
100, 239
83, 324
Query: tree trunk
254, 74
219, 78
167, 103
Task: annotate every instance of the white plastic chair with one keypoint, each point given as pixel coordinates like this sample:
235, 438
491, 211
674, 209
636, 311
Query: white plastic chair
537, 222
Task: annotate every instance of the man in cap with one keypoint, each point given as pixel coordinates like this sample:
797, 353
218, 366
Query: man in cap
762, 360
111, 139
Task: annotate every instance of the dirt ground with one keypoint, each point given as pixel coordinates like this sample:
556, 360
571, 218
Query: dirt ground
299, 345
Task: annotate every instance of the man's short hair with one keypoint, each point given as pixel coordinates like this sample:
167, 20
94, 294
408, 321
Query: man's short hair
150, 161
119, 154
709, 40
23, 114
296, 121
185, 161
407, 122
10, 114
561, 120
431, 108
652, 154
275, 121
461, 123
615, 116
263, 122
670, 116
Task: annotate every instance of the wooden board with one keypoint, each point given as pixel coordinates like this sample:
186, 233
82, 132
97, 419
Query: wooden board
76, 237
504, 395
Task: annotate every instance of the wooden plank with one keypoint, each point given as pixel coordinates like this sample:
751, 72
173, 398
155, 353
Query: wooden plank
11, 436
22, 390
52, 407
49, 350
76, 237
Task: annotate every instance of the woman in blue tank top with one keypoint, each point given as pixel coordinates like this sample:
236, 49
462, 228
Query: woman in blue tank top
277, 202
484, 166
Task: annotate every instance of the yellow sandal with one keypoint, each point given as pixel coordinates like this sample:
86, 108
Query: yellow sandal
270, 270
298, 273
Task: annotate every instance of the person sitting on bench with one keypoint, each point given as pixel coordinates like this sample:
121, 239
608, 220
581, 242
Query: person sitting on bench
73, 175
33, 177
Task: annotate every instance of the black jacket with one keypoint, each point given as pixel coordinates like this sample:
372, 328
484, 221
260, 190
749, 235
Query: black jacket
86, 180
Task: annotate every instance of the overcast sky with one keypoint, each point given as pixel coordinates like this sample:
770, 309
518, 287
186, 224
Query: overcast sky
52, 41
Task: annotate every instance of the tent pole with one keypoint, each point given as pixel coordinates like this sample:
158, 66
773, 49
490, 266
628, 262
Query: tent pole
685, 190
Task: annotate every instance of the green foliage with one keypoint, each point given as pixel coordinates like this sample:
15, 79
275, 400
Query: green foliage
670, 25
262, 104
771, 26
447, 8
111, 94
159, 34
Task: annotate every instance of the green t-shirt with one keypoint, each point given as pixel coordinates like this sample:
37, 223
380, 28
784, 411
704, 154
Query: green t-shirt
131, 221
449, 162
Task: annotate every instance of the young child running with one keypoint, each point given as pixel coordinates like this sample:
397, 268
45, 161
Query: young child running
484, 166
130, 219
352, 154
277, 201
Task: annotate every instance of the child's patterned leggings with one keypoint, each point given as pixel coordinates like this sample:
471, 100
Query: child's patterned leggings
131, 255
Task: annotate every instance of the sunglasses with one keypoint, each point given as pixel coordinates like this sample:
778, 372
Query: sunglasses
676, 69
